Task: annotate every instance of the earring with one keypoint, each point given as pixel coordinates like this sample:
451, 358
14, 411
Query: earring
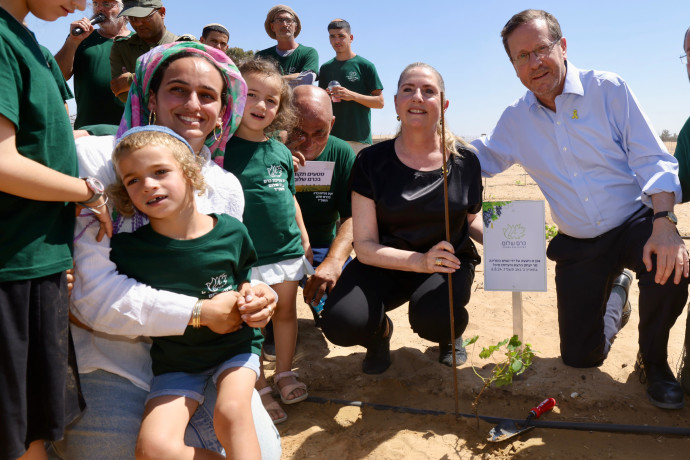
398, 117
219, 135
152, 114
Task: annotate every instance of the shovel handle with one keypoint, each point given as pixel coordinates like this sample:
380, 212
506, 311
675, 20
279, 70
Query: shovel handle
545, 406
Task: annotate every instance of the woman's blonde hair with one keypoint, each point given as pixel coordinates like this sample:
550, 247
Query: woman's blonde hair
452, 140
286, 117
190, 164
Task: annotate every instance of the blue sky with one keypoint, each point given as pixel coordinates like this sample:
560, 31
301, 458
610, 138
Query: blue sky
639, 40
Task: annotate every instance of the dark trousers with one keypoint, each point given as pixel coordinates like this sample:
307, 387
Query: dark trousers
356, 307
585, 269
39, 386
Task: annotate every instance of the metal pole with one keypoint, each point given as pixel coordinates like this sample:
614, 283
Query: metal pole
517, 315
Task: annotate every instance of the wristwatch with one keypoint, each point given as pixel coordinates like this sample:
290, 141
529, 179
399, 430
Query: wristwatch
667, 214
96, 187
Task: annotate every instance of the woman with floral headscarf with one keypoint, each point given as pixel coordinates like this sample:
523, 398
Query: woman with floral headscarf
141, 109
177, 86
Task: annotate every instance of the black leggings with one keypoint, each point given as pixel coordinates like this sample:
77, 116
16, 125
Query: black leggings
356, 306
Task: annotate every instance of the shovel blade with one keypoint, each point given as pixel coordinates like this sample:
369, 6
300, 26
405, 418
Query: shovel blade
505, 430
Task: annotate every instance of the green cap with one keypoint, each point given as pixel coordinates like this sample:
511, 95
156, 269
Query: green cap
139, 8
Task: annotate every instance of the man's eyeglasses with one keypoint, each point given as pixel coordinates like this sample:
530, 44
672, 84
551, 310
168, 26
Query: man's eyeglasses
286, 21
684, 59
145, 18
539, 53
106, 5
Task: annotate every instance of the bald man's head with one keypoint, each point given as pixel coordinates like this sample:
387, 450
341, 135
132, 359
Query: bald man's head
313, 99
315, 120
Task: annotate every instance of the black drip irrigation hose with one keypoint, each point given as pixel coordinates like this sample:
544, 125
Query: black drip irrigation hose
579, 426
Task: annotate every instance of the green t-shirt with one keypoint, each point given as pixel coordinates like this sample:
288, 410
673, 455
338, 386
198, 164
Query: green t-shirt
682, 154
96, 103
202, 267
36, 236
65, 92
267, 177
352, 120
322, 209
303, 58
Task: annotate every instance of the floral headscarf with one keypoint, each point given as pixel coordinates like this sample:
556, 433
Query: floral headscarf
136, 110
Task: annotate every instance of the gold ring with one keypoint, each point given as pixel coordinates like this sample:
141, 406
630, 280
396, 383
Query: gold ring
439, 262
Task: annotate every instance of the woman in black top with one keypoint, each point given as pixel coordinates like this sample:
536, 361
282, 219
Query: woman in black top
399, 231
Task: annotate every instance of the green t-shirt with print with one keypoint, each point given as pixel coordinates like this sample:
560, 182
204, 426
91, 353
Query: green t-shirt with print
322, 209
301, 59
201, 267
352, 120
96, 103
265, 171
36, 236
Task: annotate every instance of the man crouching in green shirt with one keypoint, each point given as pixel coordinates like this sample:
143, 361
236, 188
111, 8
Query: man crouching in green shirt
325, 207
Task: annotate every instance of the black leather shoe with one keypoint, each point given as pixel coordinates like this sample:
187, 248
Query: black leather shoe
663, 390
445, 355
623, 281
378, 357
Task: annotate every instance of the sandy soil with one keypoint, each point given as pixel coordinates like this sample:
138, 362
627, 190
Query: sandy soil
611, 393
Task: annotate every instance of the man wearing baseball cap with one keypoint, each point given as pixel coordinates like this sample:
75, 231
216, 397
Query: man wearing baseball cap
147, 19
299, 63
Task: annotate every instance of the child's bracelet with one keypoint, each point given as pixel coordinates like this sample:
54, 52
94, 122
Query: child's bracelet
93, 208
196, 314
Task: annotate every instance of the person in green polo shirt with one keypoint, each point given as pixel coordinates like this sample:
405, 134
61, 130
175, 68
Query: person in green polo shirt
682, 154
325, 205
159, 176
358, 89
298, 63
86, 56
40, 392
325, 209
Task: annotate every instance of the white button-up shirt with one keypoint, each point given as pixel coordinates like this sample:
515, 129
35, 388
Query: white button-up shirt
596, 159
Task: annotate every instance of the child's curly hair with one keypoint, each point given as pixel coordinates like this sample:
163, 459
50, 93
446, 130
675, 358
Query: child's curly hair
189, 163
286, 117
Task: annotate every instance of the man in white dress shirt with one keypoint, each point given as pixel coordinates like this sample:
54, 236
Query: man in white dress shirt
611, 186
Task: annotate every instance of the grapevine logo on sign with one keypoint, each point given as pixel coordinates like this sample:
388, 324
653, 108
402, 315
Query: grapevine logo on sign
514, 246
